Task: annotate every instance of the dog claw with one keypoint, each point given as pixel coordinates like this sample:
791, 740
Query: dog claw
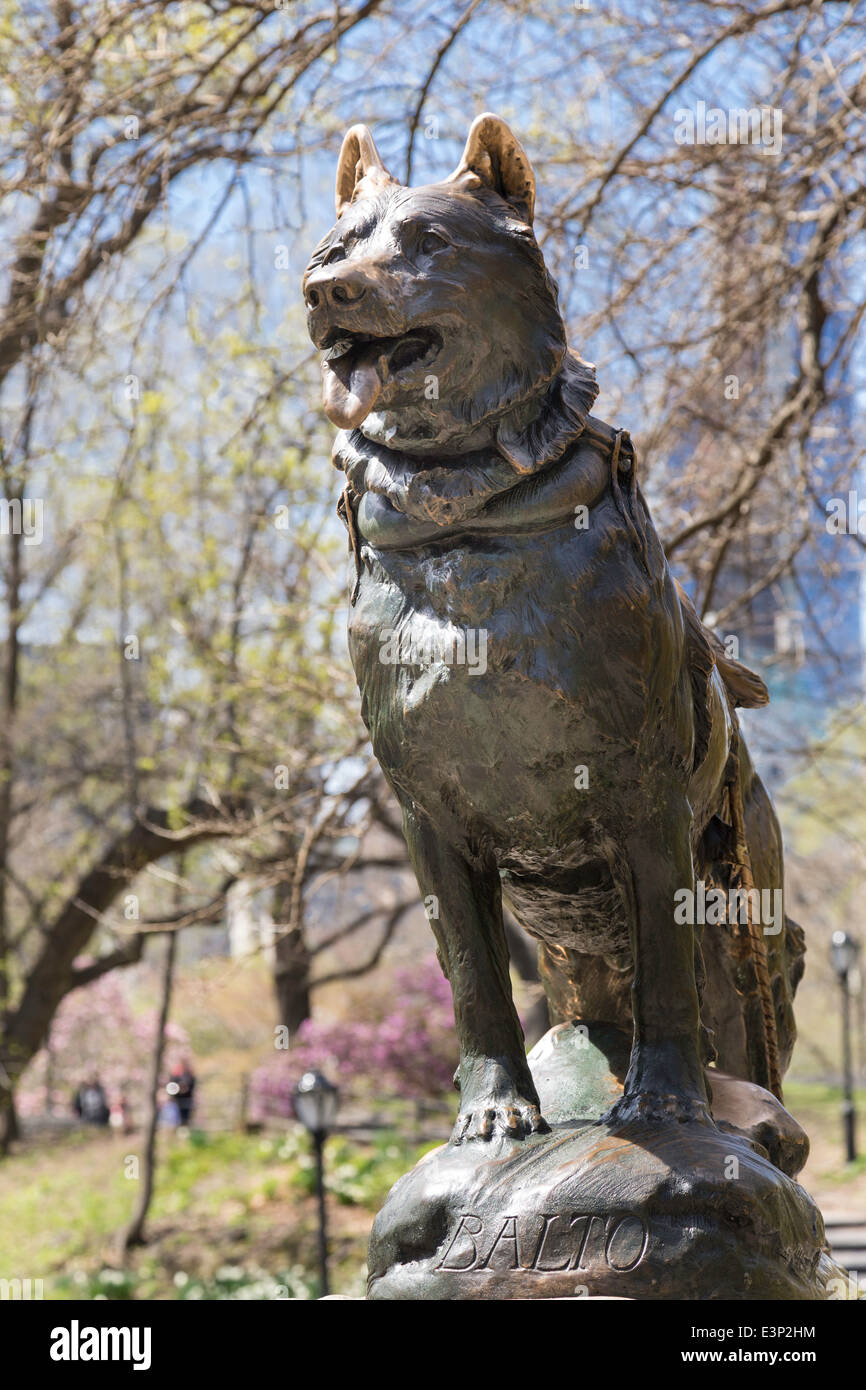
458, 1134
657, 1106
495, 1121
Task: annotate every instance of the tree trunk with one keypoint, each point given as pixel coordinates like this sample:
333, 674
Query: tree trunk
54, 974
134, 1234
9, 1130
292, 980
13, 487
291, 966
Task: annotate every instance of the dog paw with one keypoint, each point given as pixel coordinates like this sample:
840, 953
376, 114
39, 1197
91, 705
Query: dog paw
658, 1107
497, 1120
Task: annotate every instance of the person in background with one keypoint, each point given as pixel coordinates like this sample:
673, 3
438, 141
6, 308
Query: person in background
91, 1102
121, 1111
181, 1089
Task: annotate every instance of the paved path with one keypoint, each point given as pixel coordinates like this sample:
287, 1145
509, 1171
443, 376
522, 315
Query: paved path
847, 1237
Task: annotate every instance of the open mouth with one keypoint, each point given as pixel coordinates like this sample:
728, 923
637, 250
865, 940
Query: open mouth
357, 366
406, 350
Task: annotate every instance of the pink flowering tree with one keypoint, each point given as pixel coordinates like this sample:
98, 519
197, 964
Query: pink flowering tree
96, 1032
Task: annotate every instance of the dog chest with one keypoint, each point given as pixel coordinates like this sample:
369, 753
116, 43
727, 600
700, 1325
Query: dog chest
495, 669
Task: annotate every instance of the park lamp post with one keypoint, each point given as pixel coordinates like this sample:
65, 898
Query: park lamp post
844, 955
316, 1103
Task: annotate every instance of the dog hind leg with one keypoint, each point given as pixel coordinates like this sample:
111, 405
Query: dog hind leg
665, 1077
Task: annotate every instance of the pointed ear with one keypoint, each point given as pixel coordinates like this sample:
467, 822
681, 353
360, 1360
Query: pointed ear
360, 170
494, 158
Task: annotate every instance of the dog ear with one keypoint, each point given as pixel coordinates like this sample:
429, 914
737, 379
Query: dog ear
495, 158
360, 171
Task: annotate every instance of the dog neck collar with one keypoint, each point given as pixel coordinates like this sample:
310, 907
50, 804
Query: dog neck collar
452, 491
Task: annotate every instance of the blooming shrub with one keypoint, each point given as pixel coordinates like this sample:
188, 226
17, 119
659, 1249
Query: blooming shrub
409, 1051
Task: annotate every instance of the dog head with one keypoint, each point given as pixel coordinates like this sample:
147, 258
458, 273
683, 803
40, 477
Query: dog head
432, 306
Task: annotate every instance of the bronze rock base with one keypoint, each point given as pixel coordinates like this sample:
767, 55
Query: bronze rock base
651, 1210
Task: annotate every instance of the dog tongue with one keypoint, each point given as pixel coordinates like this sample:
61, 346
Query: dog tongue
351, 389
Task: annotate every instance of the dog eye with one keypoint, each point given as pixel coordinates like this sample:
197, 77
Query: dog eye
431, 241
336, 253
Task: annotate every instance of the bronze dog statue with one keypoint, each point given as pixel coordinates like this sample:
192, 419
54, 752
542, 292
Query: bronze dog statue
555, 721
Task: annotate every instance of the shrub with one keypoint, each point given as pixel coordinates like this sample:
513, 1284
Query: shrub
409, 1051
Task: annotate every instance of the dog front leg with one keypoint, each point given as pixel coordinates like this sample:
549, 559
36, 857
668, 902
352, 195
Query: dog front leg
665, 1076
497, 1093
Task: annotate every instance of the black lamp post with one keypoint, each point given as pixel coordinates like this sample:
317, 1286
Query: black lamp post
844, 954
316, 1107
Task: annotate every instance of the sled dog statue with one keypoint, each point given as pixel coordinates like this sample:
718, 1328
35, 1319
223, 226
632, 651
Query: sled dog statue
561, 733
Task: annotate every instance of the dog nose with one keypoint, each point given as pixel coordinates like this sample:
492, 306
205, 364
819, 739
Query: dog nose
324, 289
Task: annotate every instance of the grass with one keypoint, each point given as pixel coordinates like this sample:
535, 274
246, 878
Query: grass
233, 1215
835, 1184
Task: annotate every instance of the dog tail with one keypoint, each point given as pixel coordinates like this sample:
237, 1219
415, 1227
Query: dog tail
755, 946
745, 688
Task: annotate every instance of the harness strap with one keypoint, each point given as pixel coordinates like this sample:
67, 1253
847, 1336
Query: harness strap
346, 511
623, 478
757, 944
626, 495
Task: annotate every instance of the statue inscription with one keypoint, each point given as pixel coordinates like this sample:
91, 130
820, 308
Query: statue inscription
572, 1242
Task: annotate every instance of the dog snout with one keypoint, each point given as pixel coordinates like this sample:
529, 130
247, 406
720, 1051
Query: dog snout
329, 289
